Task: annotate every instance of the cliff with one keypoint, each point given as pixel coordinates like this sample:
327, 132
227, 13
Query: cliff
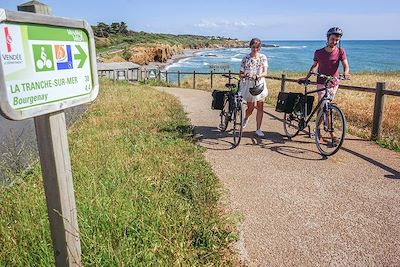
143, 54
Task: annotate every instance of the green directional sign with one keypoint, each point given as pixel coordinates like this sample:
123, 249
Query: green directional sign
45, 68
81, 56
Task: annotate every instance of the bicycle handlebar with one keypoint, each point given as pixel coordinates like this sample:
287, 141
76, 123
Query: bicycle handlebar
328, 77
230, 76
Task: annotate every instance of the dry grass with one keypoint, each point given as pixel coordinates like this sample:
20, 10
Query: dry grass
357, 106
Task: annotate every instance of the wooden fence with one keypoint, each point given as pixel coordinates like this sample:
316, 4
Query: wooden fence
136, 74
129, 74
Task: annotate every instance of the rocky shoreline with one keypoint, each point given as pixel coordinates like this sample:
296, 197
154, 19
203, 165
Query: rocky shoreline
162, 55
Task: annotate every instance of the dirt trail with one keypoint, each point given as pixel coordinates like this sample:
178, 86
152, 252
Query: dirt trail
299, 208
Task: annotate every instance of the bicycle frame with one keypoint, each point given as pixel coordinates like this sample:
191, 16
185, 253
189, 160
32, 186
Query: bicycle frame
234, 112
306, 118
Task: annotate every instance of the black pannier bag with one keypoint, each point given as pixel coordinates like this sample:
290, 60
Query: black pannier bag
218, 99
289, 102
310, 100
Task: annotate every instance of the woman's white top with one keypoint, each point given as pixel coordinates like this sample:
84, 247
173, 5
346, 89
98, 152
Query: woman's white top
253, 66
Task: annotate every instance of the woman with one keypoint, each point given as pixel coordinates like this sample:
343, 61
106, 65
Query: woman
254, 68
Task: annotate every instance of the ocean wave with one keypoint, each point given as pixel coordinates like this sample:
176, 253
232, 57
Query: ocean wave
238, 55
291, 47
236, 59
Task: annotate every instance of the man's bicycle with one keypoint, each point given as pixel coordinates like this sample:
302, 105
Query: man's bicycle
330, 123
231, 105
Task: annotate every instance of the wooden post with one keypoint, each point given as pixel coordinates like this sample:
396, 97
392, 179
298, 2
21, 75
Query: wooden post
378, 111
229, 80
166, 76
179, 78
194, 79
159, 75
283, 82
51, 135
212, 82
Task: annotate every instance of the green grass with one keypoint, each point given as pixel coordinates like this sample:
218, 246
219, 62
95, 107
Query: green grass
157, 82
145, 194
144, 38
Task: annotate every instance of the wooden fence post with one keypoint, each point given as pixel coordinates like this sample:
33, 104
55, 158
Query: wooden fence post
229, 81
194, 79
283, 82
212, 76
179, 78
378, 111
166, 76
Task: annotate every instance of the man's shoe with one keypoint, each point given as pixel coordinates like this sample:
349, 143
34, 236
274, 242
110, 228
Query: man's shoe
335, 141
259, 133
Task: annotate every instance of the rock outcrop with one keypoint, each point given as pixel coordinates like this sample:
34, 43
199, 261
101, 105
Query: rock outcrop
145, 54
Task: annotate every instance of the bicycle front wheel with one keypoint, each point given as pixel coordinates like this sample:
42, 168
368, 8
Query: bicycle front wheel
237, 123
330, 131
291, 124
224, 115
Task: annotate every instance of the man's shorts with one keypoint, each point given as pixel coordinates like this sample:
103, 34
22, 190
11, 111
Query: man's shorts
331, 91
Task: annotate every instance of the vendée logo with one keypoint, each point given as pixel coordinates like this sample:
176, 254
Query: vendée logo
13, 55
8, 39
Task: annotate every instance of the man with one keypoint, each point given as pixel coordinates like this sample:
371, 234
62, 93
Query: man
326, 61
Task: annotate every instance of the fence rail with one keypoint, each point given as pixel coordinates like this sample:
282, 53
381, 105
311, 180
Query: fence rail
380, 90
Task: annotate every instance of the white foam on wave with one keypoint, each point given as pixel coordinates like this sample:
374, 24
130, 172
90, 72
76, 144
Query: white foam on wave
291, 47
238, 55
236, 59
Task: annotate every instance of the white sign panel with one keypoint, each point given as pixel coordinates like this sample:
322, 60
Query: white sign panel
45, 68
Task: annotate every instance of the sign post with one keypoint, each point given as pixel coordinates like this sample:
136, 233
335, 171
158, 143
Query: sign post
48, 64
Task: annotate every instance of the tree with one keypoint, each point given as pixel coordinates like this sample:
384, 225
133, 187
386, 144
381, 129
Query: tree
101, 30
123, 28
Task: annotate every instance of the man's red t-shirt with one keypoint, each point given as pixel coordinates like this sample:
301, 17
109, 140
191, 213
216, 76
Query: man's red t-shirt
328, 63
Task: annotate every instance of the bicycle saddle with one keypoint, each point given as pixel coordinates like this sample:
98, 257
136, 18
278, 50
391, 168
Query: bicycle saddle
305, 82
230, 85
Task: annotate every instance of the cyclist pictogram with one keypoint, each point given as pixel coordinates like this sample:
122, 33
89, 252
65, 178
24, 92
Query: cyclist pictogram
43, 57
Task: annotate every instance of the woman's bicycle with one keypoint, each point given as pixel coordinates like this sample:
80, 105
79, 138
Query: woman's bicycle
330, 124
231, 108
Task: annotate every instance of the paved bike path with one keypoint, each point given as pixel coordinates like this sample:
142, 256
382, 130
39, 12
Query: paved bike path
299, 208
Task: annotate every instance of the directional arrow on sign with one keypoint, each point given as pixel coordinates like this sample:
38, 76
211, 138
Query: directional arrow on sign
81, 56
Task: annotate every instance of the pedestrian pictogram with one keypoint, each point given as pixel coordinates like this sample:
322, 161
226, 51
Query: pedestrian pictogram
152, 73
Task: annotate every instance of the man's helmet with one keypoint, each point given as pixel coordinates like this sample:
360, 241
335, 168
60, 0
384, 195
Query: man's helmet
334, 30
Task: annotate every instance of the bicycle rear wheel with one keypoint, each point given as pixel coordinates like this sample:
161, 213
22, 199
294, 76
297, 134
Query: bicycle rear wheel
291, 124
237, 123
224, 115
329, 137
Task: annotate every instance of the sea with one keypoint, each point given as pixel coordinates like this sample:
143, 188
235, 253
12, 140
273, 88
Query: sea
287, 56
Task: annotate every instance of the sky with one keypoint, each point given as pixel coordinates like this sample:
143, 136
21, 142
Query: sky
267, 20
